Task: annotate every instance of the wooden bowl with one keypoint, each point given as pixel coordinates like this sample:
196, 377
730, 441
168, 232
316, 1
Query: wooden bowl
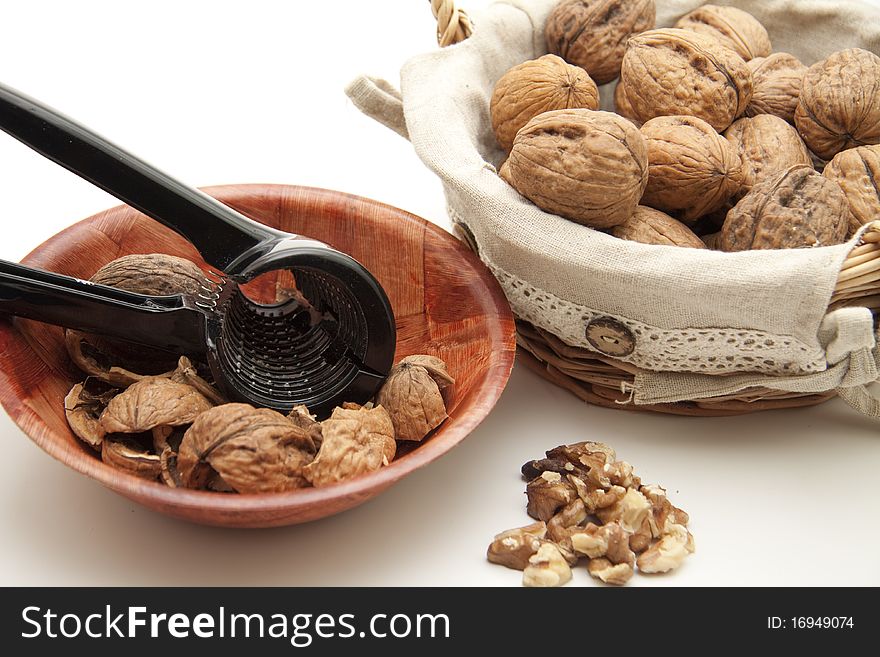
445, 302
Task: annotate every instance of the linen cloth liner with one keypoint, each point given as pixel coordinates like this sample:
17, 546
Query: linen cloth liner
759, 316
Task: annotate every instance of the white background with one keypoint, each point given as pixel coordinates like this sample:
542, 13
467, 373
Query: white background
227, 92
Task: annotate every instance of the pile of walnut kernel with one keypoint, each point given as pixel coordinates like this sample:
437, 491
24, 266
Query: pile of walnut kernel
589, 504
716, 141
160, 419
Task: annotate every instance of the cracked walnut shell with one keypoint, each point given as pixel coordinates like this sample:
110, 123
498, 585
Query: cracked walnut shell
585, 165
794, 209
355, 442
592, 33
536, 86
679, 72
650, 226
83, 406
776, 85
839, 105
766, 145
734, 28
691, 168
413, 399
253, 450
153, 402
857, 171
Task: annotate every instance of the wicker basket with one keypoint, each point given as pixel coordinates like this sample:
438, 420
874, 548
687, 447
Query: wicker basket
606, 381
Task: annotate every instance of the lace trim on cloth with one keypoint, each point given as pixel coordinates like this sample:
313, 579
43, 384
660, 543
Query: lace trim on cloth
706, 351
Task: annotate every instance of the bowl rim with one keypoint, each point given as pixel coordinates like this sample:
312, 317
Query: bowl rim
470, 411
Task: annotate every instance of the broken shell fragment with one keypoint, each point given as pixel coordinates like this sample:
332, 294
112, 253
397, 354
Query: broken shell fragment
254, 450
126, 454
355, 442
152, 402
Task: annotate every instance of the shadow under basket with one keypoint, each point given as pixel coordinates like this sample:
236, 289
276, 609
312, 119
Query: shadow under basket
603, 380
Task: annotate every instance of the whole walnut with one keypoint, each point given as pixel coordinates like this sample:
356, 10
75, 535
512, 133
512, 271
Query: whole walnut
691, 168
776, 85
585, 165
539, 85
734, 28
796, 208
622, 105
766, 145
839, 106
143, 273
651, 226
151, 273
674, 72
592, 33
857, 171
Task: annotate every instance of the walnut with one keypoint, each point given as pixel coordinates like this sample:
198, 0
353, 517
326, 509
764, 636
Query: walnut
766, 145
622, 105
155, 274
662, 512
355, 443
413, 399
301, 417
615, 574
169, 471
776, 85
839, 106
712, 241
153, 402
126, 454
674, 72
620, 473
253, 450
547, 567
535, 86
512, 548
593, 33
630, 511
734, 28
796, 208
587, 166
587, 456
563, 524
595, 497
83, 406
857, 171
640, 539
187, 373
651, 226
610, 541
668, 553
691, 168
532, 469
436, 369
548, 493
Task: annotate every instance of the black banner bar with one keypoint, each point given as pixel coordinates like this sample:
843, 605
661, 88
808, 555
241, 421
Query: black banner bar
282, 621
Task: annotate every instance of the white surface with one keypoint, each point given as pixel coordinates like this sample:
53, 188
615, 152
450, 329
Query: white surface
220, 92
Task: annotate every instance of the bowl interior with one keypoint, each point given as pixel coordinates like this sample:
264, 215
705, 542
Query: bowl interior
444, 299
